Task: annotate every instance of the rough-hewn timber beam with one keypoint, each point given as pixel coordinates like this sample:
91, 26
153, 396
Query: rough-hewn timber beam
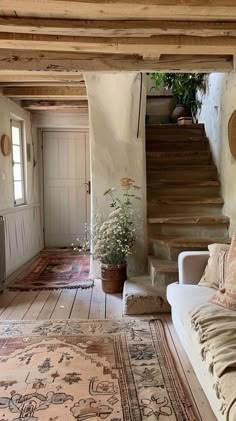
45, 92
79, 106
39, 77
26, 61
106, 28
147, 47
122, 9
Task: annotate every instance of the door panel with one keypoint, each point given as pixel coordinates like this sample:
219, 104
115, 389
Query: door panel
65, 198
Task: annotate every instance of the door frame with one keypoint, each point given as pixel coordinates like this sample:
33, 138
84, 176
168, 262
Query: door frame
41, 169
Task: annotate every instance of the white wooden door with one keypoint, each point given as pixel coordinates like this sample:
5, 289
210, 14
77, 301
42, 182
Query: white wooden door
66, 200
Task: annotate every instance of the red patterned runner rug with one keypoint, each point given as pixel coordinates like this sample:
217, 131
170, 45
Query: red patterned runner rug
114, 370
55, 269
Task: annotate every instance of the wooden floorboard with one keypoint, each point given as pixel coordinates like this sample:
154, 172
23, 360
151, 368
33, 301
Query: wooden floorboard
19, 306
64, 305
49, 305
36, 307
6, 299
114, 306
98, 302
82, 302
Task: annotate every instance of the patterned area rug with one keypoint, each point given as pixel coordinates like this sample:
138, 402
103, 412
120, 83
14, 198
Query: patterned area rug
119, 370
55, 270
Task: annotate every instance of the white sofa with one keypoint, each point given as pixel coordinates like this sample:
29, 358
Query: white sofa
183, 298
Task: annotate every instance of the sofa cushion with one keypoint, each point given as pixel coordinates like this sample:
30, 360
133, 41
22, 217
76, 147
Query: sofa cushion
183, 298
226, 297
214, 273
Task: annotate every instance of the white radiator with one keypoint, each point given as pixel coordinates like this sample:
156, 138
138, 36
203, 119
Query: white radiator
2, 254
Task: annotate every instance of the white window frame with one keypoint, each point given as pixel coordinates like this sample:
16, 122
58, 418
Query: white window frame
18, 124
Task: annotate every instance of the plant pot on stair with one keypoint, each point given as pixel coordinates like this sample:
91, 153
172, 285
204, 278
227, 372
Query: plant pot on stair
115, 235
185, 88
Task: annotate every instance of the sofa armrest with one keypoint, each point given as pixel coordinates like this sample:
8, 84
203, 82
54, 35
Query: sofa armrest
191, 266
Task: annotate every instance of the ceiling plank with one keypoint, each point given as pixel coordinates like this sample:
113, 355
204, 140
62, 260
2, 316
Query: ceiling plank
122, 9
92, 28
45, 92
79, 106
43, 77
147, 47
25, 62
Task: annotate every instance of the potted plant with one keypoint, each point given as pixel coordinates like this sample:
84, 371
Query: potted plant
184, 88
115, 236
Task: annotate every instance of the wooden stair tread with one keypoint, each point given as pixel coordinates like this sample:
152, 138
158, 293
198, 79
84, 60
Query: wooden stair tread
163, 266
191, 220
189, 242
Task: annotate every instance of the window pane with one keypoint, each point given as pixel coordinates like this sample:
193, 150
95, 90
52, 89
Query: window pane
17, 172
15, 135
18, 190
16, 153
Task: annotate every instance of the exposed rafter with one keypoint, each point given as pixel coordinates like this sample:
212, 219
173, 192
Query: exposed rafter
122, 9
45, 92
68, 106
47, 62
118, 28
145, 47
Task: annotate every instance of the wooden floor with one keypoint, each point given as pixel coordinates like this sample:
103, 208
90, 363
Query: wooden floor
94, 304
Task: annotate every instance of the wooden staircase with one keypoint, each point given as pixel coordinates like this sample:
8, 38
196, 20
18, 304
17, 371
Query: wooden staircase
183, 192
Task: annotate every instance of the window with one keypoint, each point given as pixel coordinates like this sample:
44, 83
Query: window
18, 162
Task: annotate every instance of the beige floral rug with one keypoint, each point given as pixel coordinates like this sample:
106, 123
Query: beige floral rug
118, 370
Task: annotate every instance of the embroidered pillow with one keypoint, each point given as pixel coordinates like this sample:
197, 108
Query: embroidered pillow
226, 297
214, 273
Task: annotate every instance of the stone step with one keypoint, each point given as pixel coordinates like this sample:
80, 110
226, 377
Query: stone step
181, 209
203, 189
184, 206
170, 158
169, 248
163, 146
140, 296
162, 271
188, 226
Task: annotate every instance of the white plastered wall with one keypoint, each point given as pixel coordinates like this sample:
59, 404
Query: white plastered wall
218, 104
117, 149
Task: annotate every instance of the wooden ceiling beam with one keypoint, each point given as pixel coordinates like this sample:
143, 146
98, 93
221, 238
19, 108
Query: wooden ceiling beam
45, 92
122, 9
25, 62
44, 77
146, 47
105, 28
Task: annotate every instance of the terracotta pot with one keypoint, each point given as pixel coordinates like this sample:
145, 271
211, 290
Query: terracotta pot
179, 111
113, 278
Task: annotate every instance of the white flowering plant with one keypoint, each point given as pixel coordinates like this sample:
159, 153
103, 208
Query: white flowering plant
115, 236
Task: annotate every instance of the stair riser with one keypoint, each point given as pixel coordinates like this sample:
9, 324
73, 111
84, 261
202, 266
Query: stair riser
155, 193
189, 231
170, 253
155, 175
164, 210
180, 161
162, 278
177, 146
174, 132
